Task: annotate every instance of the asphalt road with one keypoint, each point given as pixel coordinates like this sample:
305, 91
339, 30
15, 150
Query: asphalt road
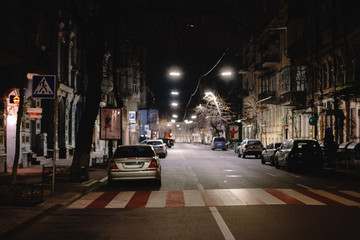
209, 194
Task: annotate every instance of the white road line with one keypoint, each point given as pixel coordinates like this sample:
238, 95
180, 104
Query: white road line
103, 179
121, 200
222, 225
303, 186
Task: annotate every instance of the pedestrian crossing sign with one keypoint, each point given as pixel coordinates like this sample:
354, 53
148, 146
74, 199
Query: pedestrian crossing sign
44, 86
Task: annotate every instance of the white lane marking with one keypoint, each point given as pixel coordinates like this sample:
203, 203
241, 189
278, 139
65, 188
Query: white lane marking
301, 197
273, 175
193, 198
121, 200
90, 182
85, 200
222, 225
157, 199
336, 198
233, 176
265, 196
303, 186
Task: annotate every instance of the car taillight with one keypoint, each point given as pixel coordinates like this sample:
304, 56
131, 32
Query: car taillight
113, 165
153, 163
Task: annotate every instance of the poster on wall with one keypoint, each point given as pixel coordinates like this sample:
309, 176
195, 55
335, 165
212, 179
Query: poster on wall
234, 132
110, 123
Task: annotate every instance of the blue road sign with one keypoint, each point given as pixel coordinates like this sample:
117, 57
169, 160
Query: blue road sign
44, 86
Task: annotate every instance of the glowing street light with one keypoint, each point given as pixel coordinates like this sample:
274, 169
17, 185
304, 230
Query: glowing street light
175, 74
175, 116
226, 73
174, 104
193, 117
174, 93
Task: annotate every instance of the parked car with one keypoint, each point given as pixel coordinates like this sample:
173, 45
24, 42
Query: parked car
268, 154
169, 142
299, 153
158, 145
134, 162
250, 147
218, 143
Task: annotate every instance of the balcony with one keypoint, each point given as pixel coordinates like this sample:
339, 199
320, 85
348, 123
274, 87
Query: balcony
346, 82
271, 61
293, 98
268, 97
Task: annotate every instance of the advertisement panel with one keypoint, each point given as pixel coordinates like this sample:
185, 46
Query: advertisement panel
110, 123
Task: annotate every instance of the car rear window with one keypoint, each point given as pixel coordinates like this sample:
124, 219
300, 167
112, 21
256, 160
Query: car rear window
155, 143
219, 139
277, 145
254, 143
306, 145
134, 152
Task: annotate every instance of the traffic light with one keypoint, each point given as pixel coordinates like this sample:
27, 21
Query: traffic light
14, 99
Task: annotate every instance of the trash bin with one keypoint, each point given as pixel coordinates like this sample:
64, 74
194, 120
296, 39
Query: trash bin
342, 152
354, 152
236, 145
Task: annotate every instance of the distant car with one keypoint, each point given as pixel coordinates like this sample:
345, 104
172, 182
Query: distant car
169, 142
268, 154
302, 153
250, 147
218, 143
158, 145
134, 162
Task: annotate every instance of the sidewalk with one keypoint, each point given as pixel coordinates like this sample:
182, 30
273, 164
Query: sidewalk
15, 217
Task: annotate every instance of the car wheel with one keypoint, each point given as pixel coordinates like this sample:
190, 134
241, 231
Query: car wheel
243, 155
287, 166
239, 155
224, 149
110, 181
276, 164
262, 159
272, 162
213, 149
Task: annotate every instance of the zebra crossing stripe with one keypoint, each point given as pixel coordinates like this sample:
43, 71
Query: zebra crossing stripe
301, 197
215, 197
193, 198
336, 198
265, 196
103, 200
121, 200
86, 200
139, 199
283, 197
246, 197
175, 199
229, 198
312, 194
157, 199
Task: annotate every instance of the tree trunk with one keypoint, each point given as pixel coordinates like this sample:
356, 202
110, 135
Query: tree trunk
17, 140
94, 50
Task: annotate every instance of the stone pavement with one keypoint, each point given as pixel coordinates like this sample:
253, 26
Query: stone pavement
15, 217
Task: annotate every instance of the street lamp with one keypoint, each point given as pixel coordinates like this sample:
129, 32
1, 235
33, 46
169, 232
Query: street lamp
175, 74
174, 104
175, 93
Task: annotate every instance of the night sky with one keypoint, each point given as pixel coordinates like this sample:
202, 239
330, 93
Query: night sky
193, 35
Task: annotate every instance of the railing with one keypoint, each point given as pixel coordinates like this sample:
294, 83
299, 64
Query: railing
21, 194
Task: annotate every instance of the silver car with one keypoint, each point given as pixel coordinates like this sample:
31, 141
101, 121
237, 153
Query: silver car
134, 162
250, 147
158, 145
268, 155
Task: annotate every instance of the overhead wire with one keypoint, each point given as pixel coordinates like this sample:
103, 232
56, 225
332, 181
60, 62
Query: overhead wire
202, 76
